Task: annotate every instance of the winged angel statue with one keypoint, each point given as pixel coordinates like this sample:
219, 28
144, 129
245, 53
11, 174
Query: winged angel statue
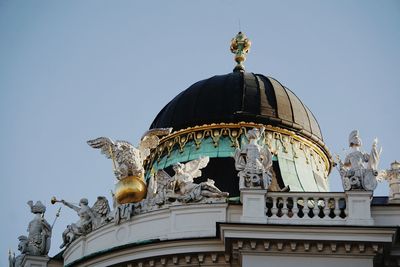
181, 186
90, 218
127, 159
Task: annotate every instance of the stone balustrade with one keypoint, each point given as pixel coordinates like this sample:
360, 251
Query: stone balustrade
306, 208
322, 208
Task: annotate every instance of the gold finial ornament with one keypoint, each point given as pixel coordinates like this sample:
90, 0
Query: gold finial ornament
54, 200
130, 189
240, 46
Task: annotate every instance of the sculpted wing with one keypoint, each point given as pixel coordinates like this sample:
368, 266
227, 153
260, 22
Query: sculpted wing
123, 143
157, 132
106, 145
194, 167
148, 143
152, 185
125, 152
150, 140
162, 177
101, 208
266, 154
239, 160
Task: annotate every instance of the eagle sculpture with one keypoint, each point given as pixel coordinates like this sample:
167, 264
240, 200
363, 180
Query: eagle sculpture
127, 159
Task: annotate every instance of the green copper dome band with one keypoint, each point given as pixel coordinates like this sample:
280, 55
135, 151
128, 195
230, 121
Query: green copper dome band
234, 131
302, 168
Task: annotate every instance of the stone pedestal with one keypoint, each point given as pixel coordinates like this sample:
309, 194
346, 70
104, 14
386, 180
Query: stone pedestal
359, 208
394, 186
253, 210
35, 261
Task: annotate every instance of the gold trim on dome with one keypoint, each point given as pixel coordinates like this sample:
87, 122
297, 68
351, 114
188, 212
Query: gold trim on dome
234, 130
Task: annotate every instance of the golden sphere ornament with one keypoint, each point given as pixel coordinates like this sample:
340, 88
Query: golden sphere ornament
130, 189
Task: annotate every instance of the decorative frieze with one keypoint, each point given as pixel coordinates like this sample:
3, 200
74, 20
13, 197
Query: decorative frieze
278, 140
193, 259
302, 246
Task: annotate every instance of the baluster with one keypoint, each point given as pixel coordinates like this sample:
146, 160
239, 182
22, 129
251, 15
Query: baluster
337, 209
346, 210
284, 207
316, 208
268, 202
295, 209
306, 209
274, 209
327, 209
279, 203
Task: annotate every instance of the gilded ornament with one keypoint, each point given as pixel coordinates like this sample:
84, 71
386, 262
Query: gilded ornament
234, 131
128, 162
240, 46
130, 189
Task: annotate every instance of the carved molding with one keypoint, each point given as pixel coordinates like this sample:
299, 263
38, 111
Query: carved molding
193, 252
305, 246
195, 259
233, 240
234, 131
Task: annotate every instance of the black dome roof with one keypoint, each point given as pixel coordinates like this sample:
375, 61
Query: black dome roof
239, 97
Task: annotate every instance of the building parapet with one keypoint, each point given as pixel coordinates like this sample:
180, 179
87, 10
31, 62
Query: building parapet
188, 221
323, 208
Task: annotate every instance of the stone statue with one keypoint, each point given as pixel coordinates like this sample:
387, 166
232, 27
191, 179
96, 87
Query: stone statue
127, 159
89, 218
181, 186
11, 258
164, 190
39, 230
158, 187
122, 211
37, 243
23, 248
359, 170
157, 191
392, 175
254, 162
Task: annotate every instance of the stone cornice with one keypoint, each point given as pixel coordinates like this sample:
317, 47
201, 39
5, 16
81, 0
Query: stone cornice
166, 253
236, 239
307, 232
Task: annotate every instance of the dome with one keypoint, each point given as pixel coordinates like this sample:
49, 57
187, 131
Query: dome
237, 97
212, 116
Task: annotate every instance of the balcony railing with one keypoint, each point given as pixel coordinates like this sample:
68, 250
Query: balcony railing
306, 208
322, 208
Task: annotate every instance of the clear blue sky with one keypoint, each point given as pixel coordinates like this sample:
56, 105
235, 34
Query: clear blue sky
75, 70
